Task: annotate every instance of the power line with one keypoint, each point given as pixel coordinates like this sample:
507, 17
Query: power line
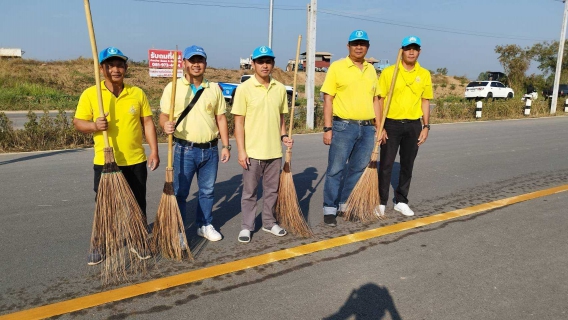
222, 5
423, 27
347, 15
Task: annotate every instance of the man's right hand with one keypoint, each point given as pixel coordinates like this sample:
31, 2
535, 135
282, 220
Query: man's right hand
327, 137
169, 127
101, 124
383, 138
244, 160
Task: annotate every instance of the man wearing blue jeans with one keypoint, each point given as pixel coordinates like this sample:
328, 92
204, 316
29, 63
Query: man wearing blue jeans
196, 137
351, 110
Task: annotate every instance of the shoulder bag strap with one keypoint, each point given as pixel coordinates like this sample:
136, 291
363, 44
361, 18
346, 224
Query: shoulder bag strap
189, 107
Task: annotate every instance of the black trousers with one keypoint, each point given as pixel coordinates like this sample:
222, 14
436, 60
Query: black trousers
136, 176
402, 135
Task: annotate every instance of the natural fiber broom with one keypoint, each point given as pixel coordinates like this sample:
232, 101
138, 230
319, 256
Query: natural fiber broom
169, 232
118, 219
288, 211
364, 199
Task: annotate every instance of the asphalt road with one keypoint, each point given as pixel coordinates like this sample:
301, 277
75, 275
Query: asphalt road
508, 263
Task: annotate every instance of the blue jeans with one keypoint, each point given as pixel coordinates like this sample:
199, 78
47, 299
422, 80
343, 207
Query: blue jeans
349, 154
187, 162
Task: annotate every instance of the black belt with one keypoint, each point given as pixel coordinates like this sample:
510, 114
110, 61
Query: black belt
370, 122
205, 145
402, 120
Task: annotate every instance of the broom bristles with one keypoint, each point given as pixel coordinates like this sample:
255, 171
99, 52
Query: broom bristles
118, 225
364, 198
288, 211
168, 227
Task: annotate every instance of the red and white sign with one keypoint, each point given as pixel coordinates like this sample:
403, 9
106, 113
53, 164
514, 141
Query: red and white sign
161, 63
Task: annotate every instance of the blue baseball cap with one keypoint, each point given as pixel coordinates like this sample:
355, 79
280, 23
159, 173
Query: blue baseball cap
262, 51
194, 51
358, 35
111, 52
411, 40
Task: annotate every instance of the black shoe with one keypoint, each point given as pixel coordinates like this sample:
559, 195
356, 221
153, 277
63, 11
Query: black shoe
330, 220
95, 257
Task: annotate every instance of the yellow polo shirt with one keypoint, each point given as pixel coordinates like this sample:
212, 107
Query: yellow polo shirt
262, 108
410, 88
200, 124
353, 89
124, 122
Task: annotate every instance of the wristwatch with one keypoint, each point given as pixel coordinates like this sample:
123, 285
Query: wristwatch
228, 147
326, 129
426, 126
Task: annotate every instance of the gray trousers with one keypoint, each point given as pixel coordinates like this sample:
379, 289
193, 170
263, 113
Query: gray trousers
269, 171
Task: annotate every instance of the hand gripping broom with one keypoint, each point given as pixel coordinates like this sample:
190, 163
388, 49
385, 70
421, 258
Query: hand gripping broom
169, 232
364, 199
288, 211
118, 219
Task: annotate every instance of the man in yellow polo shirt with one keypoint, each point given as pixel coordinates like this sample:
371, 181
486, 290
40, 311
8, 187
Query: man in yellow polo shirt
259, 107
351, 110
196, 137
403, 129
129, 117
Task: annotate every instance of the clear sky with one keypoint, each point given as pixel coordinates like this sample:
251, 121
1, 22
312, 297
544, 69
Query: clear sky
459, 35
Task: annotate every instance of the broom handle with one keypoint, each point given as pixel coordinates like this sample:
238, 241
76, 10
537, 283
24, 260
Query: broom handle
172, 105
289, 150
96, 65
388, 101
294, 88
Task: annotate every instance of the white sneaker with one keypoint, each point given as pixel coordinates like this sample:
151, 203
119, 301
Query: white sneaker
404, 209
208, 232
380, 213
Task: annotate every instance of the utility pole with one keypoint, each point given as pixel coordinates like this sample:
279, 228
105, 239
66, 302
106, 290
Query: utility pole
271, 11
310, 64
559, 61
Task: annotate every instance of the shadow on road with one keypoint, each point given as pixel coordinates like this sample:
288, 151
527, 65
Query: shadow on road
39, 155
368, 302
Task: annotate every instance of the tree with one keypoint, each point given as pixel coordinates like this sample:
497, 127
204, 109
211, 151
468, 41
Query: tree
442, 71
546, 55
482, 76
515, 61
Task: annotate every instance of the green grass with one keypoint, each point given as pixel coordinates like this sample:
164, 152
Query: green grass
23, 95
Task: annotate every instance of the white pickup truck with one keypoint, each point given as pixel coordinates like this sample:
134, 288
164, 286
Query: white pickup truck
229, 90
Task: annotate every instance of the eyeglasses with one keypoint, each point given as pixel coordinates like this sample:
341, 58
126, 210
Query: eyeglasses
264, 61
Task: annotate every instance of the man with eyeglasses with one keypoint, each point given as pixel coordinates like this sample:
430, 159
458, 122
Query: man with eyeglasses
196, 137
351, 112
403, 129
259, 107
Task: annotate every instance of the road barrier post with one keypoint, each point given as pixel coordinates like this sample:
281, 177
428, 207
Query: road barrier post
566, 105
478, 107
528, 103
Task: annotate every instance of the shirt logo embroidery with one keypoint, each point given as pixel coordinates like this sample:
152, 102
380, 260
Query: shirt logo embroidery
132, 110
417, 79
209, 109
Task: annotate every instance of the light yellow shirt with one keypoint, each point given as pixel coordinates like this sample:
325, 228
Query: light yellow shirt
262, 108
409, 90
200, 124
124, 122
353, 89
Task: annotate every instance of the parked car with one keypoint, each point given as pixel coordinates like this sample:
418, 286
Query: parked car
229, 90
488, 90
562, 91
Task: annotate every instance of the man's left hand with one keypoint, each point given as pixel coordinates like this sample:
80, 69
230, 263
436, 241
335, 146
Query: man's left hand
153, 161
423, 136
288, 142
225, 155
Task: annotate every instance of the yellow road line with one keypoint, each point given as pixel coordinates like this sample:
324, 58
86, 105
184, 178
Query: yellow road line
97, 299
